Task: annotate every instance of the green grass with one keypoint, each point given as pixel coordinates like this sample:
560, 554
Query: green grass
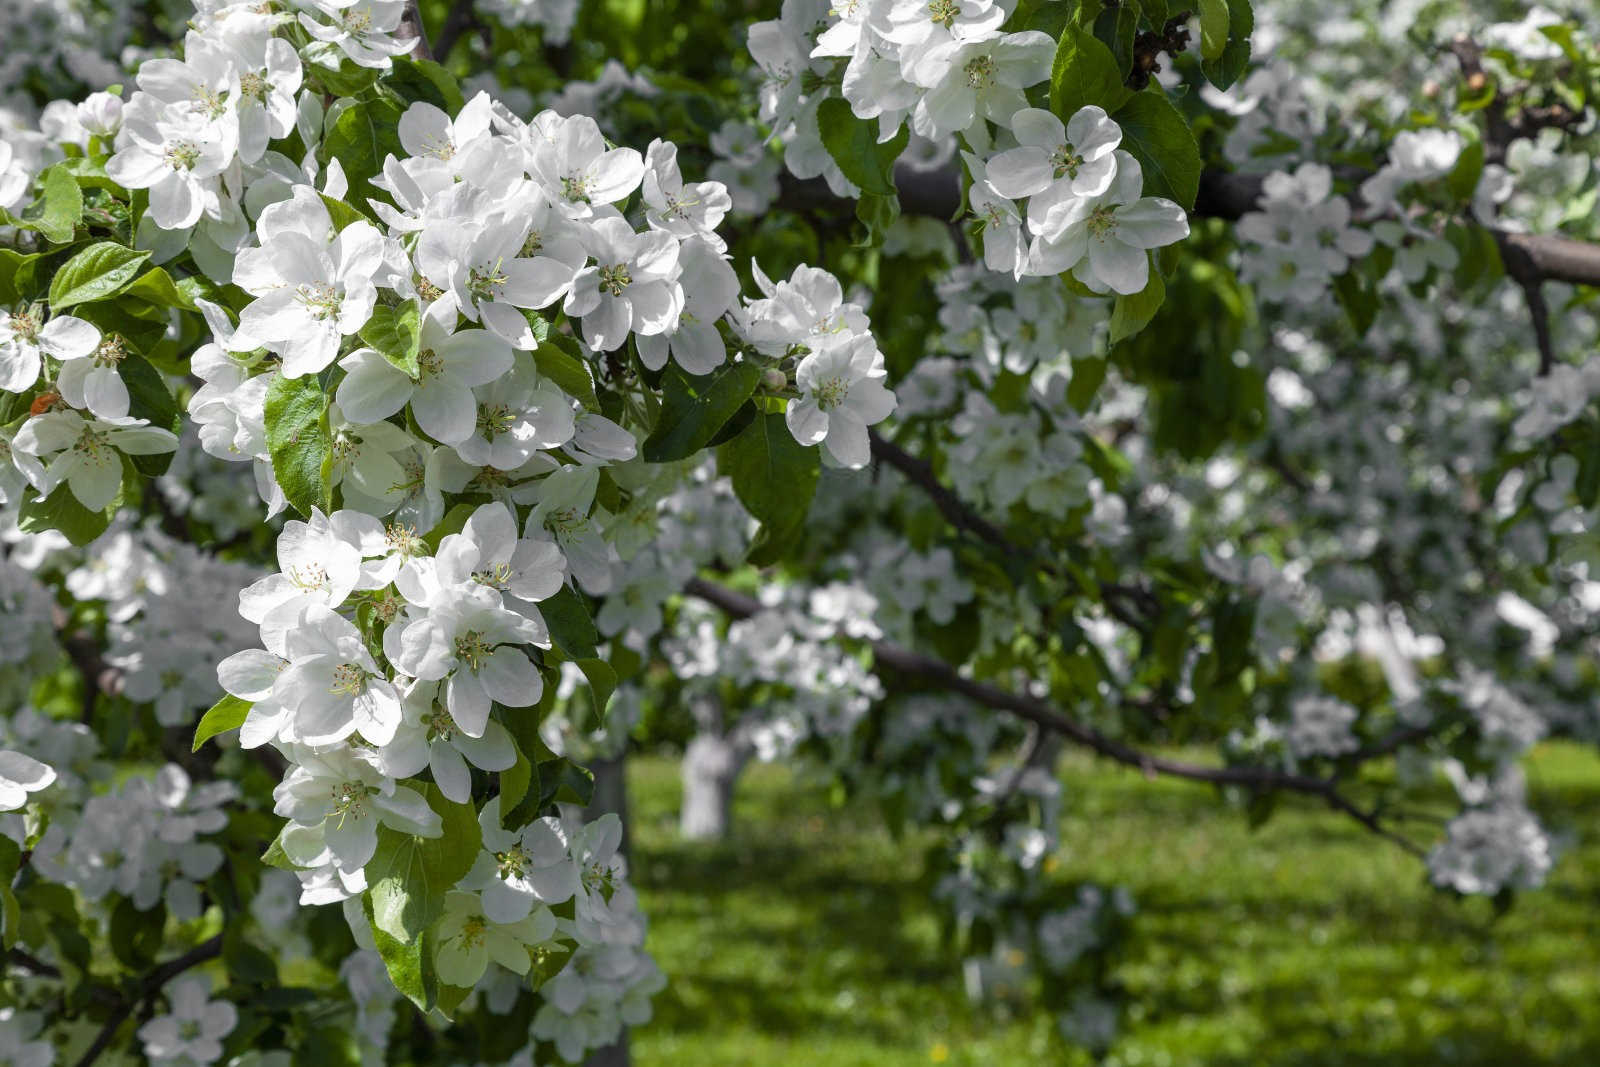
805, 939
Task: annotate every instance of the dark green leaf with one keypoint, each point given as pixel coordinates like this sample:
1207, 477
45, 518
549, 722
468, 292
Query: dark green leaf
149, 398
426, 81
853, 144
101, 270
155, 286
602, 683
361, 137
299, 441
694, 408
1159, 138
1130, 314
1085, 72
558, 360
773, 475
1213, 27
571, 627
58, 209
61, 511
396, 334
409, 875
1230, 65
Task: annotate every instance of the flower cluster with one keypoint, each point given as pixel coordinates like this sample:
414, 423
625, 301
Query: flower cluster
1085, 209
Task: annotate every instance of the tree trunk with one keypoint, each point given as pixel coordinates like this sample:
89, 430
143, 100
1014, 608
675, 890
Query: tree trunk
711, 766
610, 793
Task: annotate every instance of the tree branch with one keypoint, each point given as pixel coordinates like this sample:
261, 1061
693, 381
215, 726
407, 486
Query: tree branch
963, 516
148, 988
411, 28
463, 17
928, 669
84, 651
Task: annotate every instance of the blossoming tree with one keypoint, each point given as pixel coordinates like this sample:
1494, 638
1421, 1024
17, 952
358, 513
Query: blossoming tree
917, 391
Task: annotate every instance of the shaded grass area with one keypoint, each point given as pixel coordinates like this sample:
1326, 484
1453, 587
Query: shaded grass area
807, 939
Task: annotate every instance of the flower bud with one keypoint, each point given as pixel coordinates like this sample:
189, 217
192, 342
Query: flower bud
774, 379
101, 114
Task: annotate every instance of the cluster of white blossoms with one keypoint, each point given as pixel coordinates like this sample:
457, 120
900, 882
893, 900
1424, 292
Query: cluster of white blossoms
840, 373
555, 17
77, 437
164, 650
381, 659
1490, 849
1085, 209
28, 645
812, 687
1022, 325
951, 70
149, 838
192, 1031
1300, 237
1320, 726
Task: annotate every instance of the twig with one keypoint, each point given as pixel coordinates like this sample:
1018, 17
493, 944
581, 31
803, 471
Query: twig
411, 28
927, 668
148, 988
84, 651
1522, 269
463, 17
963, 516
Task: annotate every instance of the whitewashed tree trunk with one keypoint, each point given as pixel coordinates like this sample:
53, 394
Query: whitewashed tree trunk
712, 763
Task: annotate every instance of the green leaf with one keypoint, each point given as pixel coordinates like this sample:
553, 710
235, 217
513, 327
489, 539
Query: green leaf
1228, 67
275, 856
1213, 27
341, 214
853, 144
226, 714
409, 875
602, 683
59, 208
18, 276
773, 475
1084, 72
694, 407
396, 334
361, 137
424, 80
1158, 137
571, 627
565, 782
558, 360
514, 783
149, 398
136, 936
155, 286
299, 441
62, 512
101, 270
1462, 181
1130, 314
408, 960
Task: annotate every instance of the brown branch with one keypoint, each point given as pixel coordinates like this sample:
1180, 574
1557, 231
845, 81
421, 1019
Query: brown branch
1118, 598
411, 28
148, 988
463, 17
85, 653
929, 669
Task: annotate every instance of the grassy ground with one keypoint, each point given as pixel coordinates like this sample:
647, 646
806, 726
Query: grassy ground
1308, 942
